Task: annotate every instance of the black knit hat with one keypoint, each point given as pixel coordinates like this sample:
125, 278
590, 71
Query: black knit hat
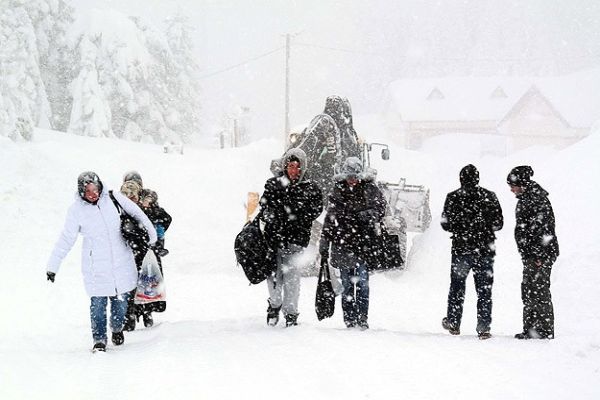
88, 177
469, 176
520, 176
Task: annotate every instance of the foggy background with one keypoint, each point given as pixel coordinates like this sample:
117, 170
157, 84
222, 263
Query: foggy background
355, 48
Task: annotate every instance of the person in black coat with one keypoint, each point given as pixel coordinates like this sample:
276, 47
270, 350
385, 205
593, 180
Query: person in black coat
161, 220
351, 234
289, 205
538, 245
472, 214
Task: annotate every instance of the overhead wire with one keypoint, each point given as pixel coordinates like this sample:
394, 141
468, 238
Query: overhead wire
258, 57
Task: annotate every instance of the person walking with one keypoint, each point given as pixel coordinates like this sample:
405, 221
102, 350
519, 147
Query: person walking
538, 246
289, 205
108, 266
350, 234
472, 214
147, 200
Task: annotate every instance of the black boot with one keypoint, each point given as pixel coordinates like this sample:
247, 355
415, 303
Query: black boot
522, 335
148, 321
129, 323
160, 247
99, 347
273, 315
291, 320
362, 323
454, 330
118, 338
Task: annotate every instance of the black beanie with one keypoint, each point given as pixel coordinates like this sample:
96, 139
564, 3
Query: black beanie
520, 176
88, 177
469, 176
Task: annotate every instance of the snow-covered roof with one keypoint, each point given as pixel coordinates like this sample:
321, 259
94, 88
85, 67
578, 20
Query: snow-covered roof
575, 97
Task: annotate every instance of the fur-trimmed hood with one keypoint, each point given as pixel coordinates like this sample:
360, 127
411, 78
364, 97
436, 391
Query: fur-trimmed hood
353, 167
296, 153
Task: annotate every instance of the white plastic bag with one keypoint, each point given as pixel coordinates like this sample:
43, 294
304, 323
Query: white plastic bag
150, 284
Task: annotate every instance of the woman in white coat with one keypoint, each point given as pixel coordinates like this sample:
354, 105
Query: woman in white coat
107, 263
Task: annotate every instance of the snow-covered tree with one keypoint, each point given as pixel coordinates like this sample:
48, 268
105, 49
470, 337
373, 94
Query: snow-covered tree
22, 93
51, 20
90, 114
139, 78
183, 117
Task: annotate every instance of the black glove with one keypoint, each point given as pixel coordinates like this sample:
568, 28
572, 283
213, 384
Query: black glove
50, 276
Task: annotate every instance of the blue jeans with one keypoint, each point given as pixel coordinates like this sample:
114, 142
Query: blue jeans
355, 297
118, 308
483, 274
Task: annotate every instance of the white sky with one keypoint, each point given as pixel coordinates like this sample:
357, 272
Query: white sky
355, 48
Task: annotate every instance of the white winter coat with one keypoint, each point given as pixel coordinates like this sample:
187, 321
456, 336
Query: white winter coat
107, 262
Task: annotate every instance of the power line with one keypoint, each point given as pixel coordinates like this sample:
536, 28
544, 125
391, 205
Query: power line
337, 49
241, 63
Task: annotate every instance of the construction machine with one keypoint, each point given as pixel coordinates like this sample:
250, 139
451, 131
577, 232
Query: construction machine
327, 141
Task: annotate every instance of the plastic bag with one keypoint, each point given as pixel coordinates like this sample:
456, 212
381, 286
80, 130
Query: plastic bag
150, 284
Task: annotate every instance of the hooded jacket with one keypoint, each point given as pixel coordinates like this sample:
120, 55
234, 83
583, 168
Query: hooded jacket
535, 227
107, 262
353, 218
289, 208
472, 214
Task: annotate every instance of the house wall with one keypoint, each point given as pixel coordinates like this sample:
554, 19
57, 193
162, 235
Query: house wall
418, 132
535, 122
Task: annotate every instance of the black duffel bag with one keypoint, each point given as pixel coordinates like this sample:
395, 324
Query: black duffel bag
253, 253
325, 296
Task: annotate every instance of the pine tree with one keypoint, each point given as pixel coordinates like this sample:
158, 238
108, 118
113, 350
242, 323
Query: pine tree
183, 117
91, 113
51, 20
22, 92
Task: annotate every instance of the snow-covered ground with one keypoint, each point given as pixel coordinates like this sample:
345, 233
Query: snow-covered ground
212, 342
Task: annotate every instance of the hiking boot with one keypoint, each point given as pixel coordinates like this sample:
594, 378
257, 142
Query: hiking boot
162, 252
129, 324
450, 327
148, 321
484, 335
522, 335
291, 320
350, 324
273, 315
99, 347
118, 338
363, 324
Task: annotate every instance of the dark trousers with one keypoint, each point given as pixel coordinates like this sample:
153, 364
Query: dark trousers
355, 297
483, 274
538, 311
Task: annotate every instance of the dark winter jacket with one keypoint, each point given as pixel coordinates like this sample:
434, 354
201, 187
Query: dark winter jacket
472, 214
534, 229
352, 223
158, 216
289, 208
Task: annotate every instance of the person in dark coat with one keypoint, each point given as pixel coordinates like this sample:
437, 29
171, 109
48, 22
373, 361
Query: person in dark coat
132, 188
289, 205
350, 234
538, 245
472, 214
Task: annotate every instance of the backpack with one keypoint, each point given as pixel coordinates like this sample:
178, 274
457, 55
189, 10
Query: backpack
253, 253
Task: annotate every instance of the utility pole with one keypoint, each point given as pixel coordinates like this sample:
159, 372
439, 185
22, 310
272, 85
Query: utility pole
287, 87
